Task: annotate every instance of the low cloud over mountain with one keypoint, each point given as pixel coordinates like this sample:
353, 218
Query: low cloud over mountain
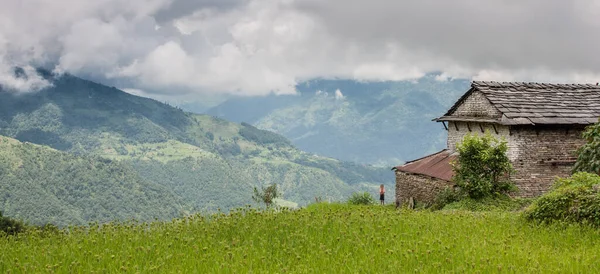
254, 47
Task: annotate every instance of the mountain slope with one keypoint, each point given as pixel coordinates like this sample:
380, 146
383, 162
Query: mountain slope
41, 185
64, 115
383, 123
207, 162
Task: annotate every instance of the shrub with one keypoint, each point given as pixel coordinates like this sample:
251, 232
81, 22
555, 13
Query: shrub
588, 155
496, 203
482, 167
10, 226
361, 198
210, 136
573, 199
444, 197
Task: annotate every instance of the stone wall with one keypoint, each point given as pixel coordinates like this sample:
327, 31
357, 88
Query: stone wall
540, 154
423, 189
458, 130
476, 105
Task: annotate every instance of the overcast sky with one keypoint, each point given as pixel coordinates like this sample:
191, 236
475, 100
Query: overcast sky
259, 46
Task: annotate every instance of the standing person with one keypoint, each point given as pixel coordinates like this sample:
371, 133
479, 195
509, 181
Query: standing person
382, 194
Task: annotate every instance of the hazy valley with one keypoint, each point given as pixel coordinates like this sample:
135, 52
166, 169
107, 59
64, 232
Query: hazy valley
185, 162
382, 123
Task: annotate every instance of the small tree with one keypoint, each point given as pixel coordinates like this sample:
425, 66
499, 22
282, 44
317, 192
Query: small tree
482, 167
588, 155
265, 195
10, 226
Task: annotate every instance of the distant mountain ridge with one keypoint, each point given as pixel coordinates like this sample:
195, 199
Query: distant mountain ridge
206, 163
382, 123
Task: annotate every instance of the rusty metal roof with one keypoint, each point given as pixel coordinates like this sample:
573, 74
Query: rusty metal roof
436, 165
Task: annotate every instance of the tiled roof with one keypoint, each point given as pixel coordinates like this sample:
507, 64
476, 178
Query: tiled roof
436, 165
538, 103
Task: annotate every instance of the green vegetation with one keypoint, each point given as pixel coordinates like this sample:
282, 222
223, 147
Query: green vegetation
41, 185
573, 199
481, 173
496, 203
350, 173
588, 155
262, 137
320, 238
577, 198
446, 196
361, 198
266, 195
9, 226
383, 123
192, 163
482, 167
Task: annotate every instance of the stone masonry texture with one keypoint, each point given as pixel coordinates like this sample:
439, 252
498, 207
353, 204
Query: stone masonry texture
477, 105
458, 130
422, 189
539, 153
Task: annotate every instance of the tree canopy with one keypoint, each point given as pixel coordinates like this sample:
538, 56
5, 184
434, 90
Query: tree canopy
588, 155
266, 195
482, 167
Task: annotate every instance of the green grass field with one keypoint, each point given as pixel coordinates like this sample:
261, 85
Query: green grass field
328, 238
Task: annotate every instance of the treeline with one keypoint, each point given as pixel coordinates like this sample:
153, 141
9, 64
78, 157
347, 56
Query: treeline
40, 185
262, 137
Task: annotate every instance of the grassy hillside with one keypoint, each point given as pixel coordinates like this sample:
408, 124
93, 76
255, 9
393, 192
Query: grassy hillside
41, 185
207, 162
322, 239
384, 123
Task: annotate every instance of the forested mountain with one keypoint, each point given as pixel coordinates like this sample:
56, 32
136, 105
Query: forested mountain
43, 185
205, 162
382, 123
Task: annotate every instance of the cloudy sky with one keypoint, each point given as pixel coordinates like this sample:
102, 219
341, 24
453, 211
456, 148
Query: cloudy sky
255, 47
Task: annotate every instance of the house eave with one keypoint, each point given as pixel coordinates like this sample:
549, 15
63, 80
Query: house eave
466, 119
521, 121
424, 175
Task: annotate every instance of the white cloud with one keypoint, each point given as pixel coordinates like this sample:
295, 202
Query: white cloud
26, 81
135, 91
339, 95
75, 36
166, 65
255, 47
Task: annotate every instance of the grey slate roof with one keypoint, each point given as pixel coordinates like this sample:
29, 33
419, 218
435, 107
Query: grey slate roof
536, 103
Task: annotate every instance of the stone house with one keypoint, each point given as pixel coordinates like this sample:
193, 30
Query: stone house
542, 124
